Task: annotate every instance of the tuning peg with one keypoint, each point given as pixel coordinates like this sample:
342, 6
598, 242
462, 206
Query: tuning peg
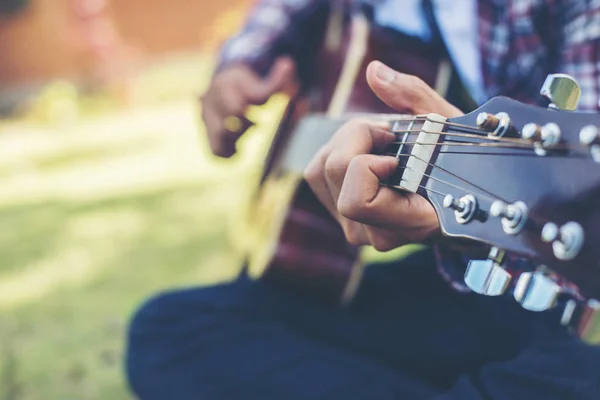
487, 277
543, 137
497, 125
514, 216
568, 312
536, 291
465, 208
566, 240
589, 136
532, 131
562, 90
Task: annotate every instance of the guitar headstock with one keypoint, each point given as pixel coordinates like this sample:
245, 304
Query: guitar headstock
525, 180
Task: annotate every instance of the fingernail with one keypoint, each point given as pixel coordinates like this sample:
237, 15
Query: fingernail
384, 73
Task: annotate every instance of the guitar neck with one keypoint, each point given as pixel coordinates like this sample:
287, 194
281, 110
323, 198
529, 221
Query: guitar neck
313, 131
417, 142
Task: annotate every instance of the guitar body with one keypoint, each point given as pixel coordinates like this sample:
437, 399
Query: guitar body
299, 245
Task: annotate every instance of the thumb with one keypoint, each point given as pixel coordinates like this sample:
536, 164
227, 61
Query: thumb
281, 77
407, 93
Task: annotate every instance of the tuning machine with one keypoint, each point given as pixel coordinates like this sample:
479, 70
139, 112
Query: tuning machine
543, 137
488, 277
513, 216
562, 90
566, 240
497, 125
589, 136
536, 291
465, 209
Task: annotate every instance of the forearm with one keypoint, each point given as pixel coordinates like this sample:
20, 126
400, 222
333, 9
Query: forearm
276, 28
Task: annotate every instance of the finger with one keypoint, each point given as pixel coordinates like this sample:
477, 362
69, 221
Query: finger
354, 138
407, 93
384, 239
281, 77
213, 123
230, 101
364, 199
355, 233
314, 174
221, 140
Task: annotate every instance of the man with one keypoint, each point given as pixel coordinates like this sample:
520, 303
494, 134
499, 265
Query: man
408, 334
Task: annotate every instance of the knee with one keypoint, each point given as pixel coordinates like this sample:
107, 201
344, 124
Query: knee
150, 335
166, 326
146, 318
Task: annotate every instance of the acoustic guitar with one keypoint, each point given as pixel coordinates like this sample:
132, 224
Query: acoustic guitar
516, 179
298, 244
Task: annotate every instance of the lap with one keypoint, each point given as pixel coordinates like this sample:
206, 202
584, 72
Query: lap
199, 344
406, 326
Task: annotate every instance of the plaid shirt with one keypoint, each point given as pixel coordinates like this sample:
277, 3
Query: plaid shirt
521, 41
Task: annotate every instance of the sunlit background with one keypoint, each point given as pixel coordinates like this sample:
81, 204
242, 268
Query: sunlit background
108, 193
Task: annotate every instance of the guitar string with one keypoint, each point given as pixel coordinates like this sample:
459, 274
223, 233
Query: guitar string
485, 193
421, 186
475, 131
467, 135
517, 145
534, 216
489, 197
489, 194
461, 144
540, 220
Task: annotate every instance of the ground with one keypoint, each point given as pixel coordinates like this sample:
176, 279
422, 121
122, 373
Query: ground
99, 211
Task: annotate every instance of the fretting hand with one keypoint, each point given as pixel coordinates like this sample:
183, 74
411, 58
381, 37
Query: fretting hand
346, 176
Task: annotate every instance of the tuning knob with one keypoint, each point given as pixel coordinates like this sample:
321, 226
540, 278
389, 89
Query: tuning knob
536, 291
589, 136
543, 137
562, 90
465, 208
513, 216
487, 277
566, 240
496, 125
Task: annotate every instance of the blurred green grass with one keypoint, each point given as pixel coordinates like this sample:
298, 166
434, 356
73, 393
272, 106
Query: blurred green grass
96, 214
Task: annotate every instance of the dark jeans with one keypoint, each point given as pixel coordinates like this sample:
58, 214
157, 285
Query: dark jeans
406, 336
